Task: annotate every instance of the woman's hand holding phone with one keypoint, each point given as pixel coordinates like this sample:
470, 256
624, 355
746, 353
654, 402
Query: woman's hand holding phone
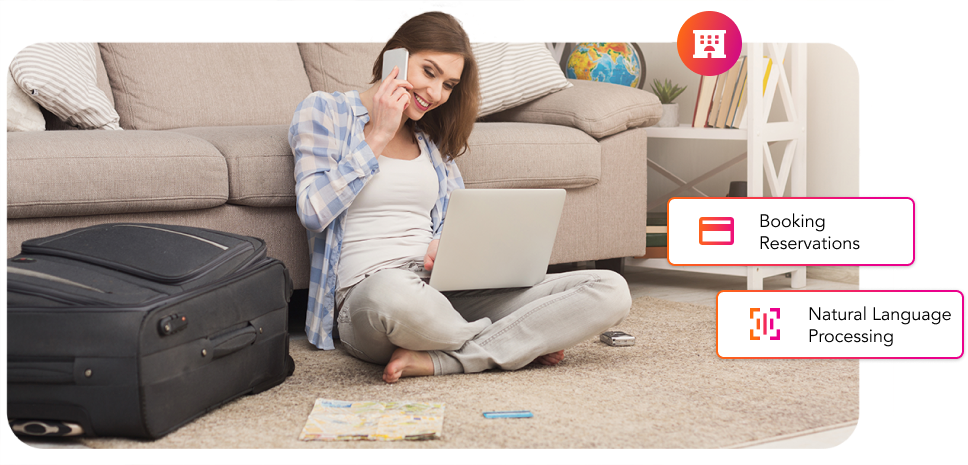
389, 103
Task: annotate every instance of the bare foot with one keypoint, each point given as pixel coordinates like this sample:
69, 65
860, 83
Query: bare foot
405, 362
553, 358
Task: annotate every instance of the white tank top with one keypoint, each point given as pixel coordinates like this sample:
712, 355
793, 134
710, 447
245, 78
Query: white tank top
388, 224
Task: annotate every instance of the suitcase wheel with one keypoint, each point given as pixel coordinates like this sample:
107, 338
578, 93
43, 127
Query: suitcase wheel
45, 428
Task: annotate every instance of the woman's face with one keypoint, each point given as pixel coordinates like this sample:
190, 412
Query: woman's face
433, 76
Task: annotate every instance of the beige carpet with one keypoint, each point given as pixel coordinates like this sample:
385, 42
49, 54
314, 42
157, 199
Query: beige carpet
670, 390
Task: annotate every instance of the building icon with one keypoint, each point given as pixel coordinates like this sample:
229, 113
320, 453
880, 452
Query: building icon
710, 43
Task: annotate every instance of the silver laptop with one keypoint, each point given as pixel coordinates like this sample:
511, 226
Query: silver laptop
497, 238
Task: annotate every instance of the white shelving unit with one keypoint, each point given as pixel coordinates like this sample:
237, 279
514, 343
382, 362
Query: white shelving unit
759, 158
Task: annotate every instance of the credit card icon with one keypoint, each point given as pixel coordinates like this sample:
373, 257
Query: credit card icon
715, 230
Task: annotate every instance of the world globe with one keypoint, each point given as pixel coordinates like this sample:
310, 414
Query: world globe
614, 62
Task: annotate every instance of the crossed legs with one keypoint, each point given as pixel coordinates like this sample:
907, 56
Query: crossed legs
394, 318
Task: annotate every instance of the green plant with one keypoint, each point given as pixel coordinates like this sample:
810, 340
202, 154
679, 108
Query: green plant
666, 91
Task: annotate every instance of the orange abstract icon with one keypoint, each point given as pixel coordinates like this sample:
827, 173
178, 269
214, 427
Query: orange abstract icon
763, 321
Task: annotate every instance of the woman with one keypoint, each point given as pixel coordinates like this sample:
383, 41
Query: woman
374, 171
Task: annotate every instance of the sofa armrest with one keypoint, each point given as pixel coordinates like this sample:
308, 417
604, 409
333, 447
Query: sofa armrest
599, 109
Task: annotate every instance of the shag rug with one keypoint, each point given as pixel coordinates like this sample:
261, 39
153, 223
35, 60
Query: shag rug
669, 390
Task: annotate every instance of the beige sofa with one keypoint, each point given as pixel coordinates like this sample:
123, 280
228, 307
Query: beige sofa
205, 144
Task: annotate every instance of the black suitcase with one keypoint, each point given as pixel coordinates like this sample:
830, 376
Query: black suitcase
135, 329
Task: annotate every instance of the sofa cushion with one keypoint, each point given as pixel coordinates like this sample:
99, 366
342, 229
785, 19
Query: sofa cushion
260, 163
164, 86
74, 173
336, 67
600, 109
501, 155
520, 155
63, 78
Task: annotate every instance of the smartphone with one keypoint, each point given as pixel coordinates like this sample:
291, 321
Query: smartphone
397, 57
617, 338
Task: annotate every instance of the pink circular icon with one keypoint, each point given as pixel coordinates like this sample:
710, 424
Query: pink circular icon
709, 43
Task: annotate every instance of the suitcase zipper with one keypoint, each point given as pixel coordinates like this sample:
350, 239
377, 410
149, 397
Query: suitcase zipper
149, 305
45, 276
213, 264
216, 244
177, 280
52, 294
189, 277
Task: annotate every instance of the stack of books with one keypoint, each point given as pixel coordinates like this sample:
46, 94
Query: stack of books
722, 99
656, 235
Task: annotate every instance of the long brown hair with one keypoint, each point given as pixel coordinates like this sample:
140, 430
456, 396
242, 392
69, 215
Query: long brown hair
450, 124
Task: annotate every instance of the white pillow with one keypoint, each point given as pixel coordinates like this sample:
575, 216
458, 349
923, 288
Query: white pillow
62, 77
513, 74
23, 114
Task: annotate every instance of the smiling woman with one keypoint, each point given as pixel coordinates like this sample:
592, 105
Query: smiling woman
432, 81
433, 86
441, 34
374, 173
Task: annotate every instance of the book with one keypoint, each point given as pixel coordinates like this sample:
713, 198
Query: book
730, 91
717, 100
740, 110
770, 76
656, 229
707, 84
737, 97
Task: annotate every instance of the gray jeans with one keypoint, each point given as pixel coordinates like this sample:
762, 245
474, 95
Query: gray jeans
472, 331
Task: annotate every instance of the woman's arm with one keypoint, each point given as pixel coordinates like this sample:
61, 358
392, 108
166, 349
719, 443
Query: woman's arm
390, 99
431, 255
329, 172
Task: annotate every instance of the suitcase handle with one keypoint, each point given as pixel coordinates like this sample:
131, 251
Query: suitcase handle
40, 372
233, 341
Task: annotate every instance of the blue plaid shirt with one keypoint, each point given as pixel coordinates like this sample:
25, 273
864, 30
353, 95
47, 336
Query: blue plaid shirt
333, 163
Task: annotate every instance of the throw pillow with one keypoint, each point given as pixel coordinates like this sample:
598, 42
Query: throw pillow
23, 114
62, 77
512, 74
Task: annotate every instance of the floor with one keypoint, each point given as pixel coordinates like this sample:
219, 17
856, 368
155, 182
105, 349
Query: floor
701, 289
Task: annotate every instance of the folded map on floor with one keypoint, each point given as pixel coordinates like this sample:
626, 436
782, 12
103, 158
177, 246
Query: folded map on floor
337, 420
